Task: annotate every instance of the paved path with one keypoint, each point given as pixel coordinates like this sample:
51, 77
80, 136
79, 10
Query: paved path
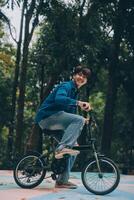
46, 191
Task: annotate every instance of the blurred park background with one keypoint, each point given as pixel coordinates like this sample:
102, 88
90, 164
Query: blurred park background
55, 36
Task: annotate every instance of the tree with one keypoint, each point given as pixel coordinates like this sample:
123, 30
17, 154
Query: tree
117, 26
61, 45
32, 12
14, 88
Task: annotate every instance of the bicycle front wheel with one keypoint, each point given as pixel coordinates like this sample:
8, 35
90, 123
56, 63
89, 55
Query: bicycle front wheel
103, 181
29, 171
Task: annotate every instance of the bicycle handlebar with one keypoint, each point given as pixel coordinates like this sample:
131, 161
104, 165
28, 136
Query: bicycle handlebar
92, 117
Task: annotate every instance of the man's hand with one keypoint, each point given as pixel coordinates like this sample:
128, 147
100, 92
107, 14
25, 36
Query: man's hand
84, 106
87, 120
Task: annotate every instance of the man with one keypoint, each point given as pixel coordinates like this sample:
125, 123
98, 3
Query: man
58, 111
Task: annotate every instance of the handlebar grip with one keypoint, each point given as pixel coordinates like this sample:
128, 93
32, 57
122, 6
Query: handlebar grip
84, 104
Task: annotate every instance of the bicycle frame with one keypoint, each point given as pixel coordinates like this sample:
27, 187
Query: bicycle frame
92, 122
87, 147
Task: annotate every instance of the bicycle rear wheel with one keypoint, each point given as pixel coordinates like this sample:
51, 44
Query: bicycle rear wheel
29, 171
104, 182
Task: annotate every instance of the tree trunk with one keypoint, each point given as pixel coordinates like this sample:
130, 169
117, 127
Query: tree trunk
35, 139
20, 113
118, 28
111, 95
22, 85
109, 113
32, 14
15, 85
42, 75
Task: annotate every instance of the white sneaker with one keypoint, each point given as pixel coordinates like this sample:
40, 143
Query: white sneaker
60, 154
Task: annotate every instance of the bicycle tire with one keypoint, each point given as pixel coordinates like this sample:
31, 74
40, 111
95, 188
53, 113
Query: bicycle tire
92, 179
29, 171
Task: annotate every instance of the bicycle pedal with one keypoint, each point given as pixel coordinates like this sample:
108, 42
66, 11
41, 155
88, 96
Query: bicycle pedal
54, 177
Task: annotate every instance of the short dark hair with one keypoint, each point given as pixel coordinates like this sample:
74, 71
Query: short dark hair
85, 71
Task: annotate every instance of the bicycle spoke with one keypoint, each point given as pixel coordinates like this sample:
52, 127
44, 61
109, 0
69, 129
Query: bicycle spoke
100, 182
29, 172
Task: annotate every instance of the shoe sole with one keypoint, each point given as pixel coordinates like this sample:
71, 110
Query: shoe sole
66, 187
66, 153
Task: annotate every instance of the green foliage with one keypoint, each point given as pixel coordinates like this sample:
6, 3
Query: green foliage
98, 103
6, 77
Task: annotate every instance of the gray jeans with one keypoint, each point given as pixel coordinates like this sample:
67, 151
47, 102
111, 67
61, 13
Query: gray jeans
72, 125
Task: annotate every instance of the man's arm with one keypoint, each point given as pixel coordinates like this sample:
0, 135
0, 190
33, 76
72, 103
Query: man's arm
62, 98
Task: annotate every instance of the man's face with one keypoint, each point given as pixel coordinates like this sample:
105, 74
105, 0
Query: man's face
80, 79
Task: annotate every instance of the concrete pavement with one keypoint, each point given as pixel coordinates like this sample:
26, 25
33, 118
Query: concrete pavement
46, 190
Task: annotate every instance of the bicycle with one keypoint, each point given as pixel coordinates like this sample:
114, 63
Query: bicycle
100, 174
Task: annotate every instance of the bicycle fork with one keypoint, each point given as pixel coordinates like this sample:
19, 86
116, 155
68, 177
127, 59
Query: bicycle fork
97, 161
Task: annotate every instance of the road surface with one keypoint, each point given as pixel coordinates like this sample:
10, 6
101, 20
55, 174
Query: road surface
46, 190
